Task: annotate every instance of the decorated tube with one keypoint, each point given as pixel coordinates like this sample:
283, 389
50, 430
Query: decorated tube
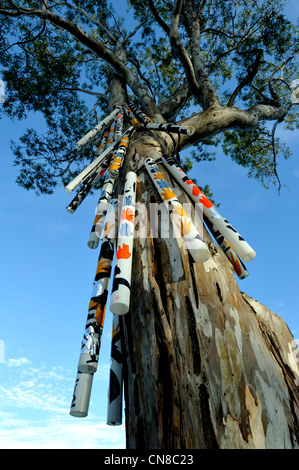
133, 120
88, 360
103, 142
120, 297
89, 169
238, 265
139, 114
118, 158
87, 187
91, 134
149, 124
119, 121
81, 395
168, 127
193, 241
235, 240
114, 413
102, 206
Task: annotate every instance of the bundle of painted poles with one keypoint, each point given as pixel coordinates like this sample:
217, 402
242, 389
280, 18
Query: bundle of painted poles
114, 228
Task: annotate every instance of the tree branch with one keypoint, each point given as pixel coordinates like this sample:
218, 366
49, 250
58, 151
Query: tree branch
252, 71
171, 107
159, 20
180, 51
96, 46
209, 96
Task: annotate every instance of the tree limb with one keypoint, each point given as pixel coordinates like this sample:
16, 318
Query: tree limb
252, 71
158, 18
96, 46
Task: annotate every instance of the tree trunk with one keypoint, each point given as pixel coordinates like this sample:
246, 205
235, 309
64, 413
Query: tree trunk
206, 365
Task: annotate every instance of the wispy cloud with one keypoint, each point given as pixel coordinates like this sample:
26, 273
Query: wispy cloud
58, 432
34, 410
18, 362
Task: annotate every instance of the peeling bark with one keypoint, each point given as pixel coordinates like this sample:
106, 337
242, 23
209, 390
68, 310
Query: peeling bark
206, 366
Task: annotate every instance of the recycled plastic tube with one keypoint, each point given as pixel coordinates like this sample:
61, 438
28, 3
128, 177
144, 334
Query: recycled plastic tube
92, 133
118, 158
87, 187
133, 120
168, 127
87, 171
149, 124
119, 121
81, 395
111, 133
121, 290
102, 206
235, 240
139, 114
193, 241
103, 143
238, 265
88, 359
114, 412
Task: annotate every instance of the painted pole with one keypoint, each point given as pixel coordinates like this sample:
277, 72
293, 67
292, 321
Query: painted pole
193, 241
101, 210
87, 186
233, 237
114, 412
133, 120
88, 359
81, 395
103, 143
119, 121
238, 265
92, 133
168, 127
139, 114
120, 297
149, 124
88, 170
118, 158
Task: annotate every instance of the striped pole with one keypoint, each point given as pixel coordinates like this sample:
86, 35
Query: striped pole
88, 359
193, 241
92, 133
118, 158
233, 237
102, 206
87, 187
238, 265
114, 412
149, 124
121, 290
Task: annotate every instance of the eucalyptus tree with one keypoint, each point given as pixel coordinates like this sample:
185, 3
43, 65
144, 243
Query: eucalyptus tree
206, 365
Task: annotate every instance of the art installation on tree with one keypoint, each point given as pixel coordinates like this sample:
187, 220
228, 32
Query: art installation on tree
113, 229
131, 95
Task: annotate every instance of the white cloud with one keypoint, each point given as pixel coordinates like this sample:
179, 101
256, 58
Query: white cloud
35, 403
59, 432
18, 362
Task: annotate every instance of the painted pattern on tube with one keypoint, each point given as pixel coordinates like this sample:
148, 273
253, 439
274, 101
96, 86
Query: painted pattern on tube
181, 220
233, 237
121, 290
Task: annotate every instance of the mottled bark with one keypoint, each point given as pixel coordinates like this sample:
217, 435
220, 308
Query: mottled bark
206, 365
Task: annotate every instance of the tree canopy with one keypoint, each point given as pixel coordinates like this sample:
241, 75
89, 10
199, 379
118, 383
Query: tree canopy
226, 67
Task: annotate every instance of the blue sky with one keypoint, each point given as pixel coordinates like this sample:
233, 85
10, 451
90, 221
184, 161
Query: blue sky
47, 272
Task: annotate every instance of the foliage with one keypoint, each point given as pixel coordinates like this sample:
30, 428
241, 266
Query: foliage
247, 50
